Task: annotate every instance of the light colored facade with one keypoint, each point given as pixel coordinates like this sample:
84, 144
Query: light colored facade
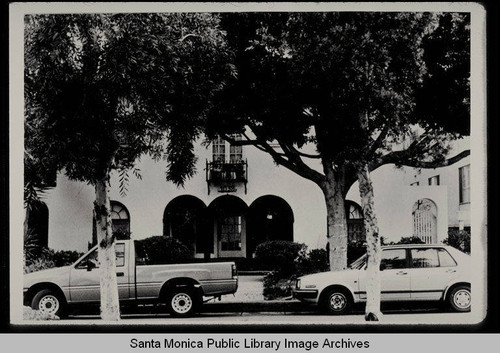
249, 200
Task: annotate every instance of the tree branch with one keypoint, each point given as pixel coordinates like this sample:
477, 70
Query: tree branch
378, 142
404, 158
307, 155
189, 35
300, 167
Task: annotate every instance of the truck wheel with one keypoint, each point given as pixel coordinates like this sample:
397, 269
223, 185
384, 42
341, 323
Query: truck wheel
48, 302
182, 303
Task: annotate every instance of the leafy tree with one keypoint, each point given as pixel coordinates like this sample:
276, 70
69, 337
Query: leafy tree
102, 90
352, 86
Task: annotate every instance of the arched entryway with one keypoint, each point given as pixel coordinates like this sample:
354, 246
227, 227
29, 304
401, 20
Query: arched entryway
355, 221
38, 224
228, 214
269, 218
425, 215
185, 219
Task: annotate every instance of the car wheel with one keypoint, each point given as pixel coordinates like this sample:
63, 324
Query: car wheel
460, 298
49, 303
182, 303
336, 301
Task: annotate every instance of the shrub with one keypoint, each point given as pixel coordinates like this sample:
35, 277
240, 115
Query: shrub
275, 286
157, 250
65, 257
459, 239
410, 240
316, 260
280, 256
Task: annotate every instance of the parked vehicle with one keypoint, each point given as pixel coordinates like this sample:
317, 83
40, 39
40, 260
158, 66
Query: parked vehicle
409, 272
181, 286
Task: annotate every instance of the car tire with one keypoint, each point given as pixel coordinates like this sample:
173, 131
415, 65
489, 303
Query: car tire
49, 302
336, 301
182, 303
460, 298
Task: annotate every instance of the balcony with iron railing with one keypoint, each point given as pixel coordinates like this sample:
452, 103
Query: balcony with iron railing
227, 173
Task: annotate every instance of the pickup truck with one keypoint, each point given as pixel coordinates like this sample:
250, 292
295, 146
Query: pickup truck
182, 287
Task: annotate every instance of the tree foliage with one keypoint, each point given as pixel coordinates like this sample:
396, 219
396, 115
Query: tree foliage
101, 90
347, 90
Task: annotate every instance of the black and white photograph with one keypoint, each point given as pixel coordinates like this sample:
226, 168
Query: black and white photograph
214, 165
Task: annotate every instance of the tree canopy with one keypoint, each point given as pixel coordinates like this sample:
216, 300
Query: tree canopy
354, 85
101, 90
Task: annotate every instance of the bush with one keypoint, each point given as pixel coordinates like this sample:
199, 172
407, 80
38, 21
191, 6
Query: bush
410, 240
46, 258
158, 250
65, 257
286, 261
275, 286
459, 239
316, 260
280, 256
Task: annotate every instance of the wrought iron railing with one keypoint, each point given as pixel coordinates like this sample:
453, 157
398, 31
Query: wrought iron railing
218, 173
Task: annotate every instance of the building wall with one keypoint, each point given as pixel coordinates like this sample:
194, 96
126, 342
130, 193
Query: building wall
394, 202
70, 203
449, 177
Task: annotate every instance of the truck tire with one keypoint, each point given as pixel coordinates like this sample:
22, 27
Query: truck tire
49, 302
182, 302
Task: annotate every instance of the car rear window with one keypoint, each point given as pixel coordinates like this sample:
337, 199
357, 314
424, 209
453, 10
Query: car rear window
424, 258
445, 259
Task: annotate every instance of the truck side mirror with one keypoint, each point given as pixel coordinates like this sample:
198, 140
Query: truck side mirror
90, 265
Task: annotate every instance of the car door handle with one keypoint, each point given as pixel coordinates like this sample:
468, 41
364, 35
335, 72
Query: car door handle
451, 271
401, 273
120, 274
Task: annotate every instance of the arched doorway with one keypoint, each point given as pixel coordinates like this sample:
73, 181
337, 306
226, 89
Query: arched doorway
38, 224
229, 214
425, 220
184, 219
269, 218
355, 222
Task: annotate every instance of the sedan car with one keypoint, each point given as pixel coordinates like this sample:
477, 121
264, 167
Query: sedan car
410, 272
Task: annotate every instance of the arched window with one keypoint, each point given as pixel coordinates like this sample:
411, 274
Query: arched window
425, 220
120, 222
355, 221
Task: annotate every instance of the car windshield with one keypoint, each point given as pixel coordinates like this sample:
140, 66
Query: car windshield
359, 263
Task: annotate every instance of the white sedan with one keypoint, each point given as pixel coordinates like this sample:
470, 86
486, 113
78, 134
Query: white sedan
410, 272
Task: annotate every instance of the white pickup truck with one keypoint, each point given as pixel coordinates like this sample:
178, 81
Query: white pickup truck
181, 286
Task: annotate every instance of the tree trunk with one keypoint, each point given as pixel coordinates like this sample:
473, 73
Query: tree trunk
110, 306
372, 311
336, 219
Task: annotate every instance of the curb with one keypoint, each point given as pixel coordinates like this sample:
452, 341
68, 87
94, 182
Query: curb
253, 307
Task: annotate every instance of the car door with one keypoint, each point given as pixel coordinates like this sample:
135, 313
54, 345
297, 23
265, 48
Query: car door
431, 271
85, 277
394, 276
